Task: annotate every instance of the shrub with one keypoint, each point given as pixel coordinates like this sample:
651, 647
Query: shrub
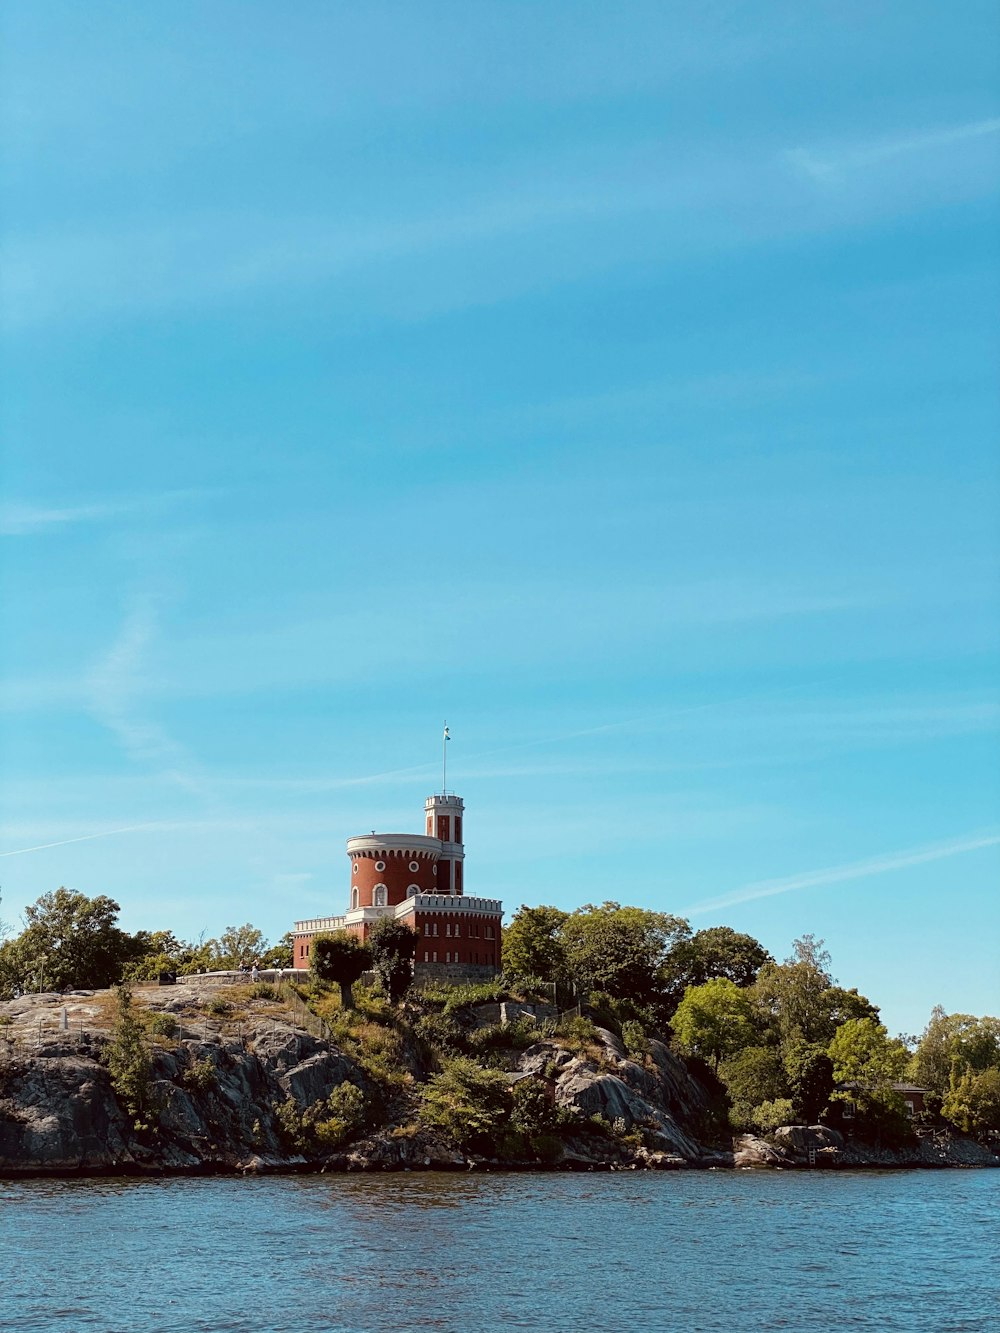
202, 1076
516, 1036
532, 1111
326, 1124
127, 1058
163, 1025
441, 1033
770, 1116
546, 1147
635, 1039
579, 1035
483, 992
263, 990
466, 1102
218, 1006
340, 1117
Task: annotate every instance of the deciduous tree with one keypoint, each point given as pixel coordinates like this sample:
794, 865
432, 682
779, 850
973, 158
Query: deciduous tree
866, 1057
239, 946
953, 1044
621, 950
973, 1101
339, 957
533, 945
753, 1076
719, 951
69, 942
714, 1020
392, 945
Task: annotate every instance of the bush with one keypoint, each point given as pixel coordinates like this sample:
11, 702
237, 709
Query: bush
218, 1006
467, 1103
770, 1116
516, 1036
263, 990
163, 1025
339, 1118
202, 1076
546, 1147
127, 1058
441, 1033
532, 1111
484, 992
579, 1035
635, 1039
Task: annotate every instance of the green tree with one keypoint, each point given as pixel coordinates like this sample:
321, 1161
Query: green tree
753, 1076
972, 1102
867, 1058
281, 954
468, 1103
620, 950
239, 946
533, 946
392, 945
719, 951
127, 1058
714, 1020
810, 1078
339, 957
799, 1000
70, 942
532, 1109
952, 1045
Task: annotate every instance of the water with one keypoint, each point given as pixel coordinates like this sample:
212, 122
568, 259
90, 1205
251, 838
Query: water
487, 1254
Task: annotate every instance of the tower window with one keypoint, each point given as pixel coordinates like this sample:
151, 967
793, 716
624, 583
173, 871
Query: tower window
414, 867
412, 890
379, 865
381, 895
354, 898
356, 867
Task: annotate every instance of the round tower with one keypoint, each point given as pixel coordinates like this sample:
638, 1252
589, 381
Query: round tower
444, 816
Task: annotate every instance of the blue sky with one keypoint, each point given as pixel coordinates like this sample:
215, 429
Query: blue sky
617, 382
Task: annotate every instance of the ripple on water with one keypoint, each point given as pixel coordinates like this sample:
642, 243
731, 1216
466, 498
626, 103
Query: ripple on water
489, 1254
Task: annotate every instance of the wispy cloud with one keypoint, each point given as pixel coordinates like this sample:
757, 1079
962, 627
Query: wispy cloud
832, 165
115, 693
84, 837
23, 518
875, 865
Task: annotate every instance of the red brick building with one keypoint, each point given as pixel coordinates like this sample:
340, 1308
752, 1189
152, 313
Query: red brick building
418, 879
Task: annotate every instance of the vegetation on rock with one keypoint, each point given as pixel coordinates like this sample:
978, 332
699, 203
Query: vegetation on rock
772, 1043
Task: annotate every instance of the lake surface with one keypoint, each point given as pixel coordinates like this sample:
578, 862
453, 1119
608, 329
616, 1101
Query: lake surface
482, 1253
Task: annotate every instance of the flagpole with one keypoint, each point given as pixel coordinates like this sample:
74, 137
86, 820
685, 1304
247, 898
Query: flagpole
444, 760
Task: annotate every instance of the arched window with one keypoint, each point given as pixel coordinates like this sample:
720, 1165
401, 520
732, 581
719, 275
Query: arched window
412, 890
381, 895
354, 898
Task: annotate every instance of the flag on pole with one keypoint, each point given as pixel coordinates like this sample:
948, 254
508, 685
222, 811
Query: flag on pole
447, 734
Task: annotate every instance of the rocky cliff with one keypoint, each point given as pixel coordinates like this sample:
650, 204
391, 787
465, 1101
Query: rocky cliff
229, 1086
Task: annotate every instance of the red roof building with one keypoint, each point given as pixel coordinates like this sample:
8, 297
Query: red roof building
418, 879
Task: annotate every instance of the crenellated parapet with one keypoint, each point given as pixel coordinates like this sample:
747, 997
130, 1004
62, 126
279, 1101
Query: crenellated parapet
418, 879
